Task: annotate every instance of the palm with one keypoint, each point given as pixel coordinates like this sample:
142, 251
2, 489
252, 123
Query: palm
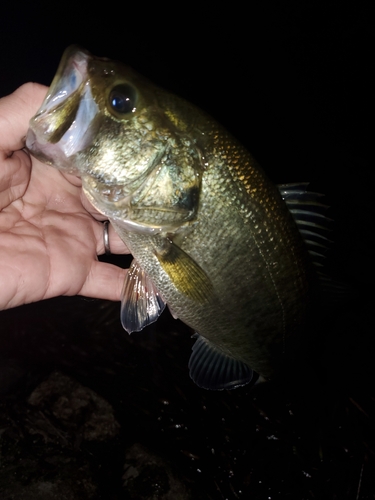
50, 237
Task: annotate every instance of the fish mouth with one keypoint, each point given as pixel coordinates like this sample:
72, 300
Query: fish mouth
65, 122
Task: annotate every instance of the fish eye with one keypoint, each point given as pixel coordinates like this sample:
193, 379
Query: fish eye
122, 99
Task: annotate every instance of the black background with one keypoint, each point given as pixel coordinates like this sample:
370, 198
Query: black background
292, 80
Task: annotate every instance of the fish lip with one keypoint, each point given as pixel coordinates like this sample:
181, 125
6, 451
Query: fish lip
47, 153
63, 85
52, 134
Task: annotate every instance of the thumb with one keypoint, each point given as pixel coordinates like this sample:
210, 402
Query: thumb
15, 112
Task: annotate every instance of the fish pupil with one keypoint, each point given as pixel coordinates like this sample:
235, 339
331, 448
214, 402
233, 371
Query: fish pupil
122, 99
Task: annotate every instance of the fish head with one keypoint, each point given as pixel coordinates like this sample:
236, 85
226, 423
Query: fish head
124, 137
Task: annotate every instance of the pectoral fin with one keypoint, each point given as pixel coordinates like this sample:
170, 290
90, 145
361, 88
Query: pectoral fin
141, 303
211, 368
186, 275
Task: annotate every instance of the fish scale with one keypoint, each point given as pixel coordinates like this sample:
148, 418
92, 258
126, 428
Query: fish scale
235, 264
210, 234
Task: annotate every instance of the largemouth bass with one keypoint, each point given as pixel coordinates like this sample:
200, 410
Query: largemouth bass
210, 234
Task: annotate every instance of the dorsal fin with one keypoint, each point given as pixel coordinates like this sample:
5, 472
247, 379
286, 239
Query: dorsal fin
309, 215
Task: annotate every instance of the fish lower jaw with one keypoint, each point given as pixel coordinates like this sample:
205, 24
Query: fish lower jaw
135, 227
96, 200
116, 204
48, 153
104, 197
117, 215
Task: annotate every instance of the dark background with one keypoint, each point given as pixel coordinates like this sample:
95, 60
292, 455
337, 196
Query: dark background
294, 81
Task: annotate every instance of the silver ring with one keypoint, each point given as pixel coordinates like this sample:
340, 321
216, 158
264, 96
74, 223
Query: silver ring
106, 237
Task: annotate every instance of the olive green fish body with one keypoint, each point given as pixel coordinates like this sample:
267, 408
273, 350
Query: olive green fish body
210, 233
246, 242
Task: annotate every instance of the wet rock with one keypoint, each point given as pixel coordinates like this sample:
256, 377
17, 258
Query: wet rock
51, 445
68, 407
150, 477
59, 438
79, 485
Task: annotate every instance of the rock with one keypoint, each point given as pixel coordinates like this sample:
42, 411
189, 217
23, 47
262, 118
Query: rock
150, 477
73, 408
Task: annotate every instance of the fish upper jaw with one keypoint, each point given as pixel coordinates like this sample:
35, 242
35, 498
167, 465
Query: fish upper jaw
65, 122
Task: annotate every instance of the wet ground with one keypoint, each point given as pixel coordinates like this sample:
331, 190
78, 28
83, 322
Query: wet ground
88, 411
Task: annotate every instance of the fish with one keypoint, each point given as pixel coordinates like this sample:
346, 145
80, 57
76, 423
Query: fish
229, 252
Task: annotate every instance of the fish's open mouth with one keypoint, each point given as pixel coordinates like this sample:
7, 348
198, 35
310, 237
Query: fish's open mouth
64, 124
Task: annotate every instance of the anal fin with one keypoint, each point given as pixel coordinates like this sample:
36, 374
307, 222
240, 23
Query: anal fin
211, 368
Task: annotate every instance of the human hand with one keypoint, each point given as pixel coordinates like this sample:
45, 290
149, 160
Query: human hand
50, 235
